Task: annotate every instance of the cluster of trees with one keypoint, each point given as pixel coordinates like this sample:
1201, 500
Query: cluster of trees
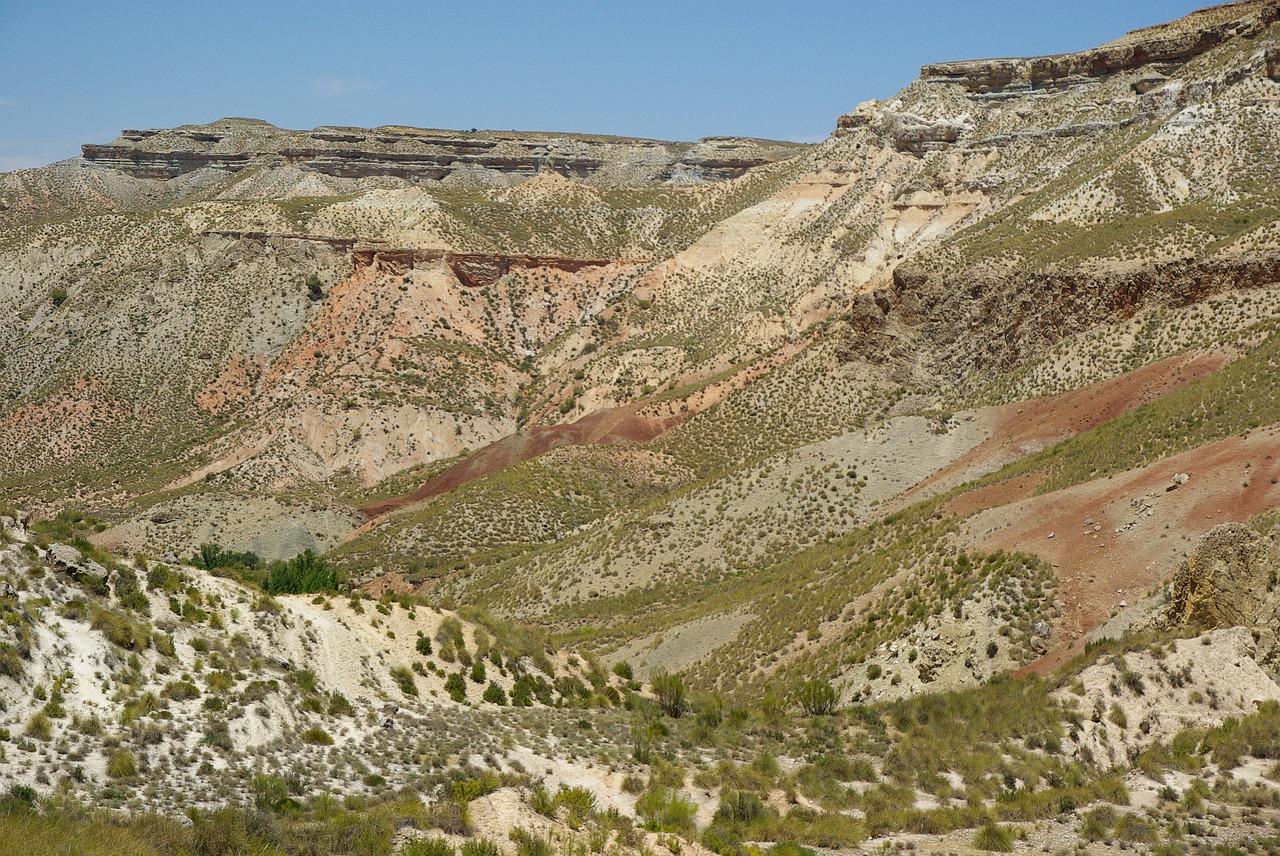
304, 573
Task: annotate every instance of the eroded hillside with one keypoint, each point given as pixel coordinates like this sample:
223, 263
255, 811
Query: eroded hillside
947, 396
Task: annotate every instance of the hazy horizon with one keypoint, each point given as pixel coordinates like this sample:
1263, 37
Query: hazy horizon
78, 73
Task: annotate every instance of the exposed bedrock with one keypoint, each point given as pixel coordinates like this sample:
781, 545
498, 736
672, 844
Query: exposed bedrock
473, 270
161, 165
939, 319
423, 156
1157, 44
1229, 580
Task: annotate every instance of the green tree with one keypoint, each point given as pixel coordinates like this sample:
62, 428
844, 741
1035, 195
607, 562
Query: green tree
302, 574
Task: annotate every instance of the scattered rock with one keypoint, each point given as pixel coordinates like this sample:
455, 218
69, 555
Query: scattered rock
14, 528
68, 560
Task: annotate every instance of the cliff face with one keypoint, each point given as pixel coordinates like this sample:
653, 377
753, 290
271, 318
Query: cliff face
941, 311
424, 156
1230, 580
473, 270
1040, 196
1177, 42
160, 165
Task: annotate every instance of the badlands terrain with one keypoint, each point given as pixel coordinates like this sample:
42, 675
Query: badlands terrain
397, 490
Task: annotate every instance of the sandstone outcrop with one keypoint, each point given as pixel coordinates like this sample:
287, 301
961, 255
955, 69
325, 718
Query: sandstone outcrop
160, 165
1188, 38
426, 156
474, 270
905, 132
1230, 580
946, 307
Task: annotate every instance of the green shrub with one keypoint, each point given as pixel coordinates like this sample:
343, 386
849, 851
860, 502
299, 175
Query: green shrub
542, 802
1135, 830
994, 838
303, 574
163, 643
339, 706
11, 665
19, 798
316, 736
816, 698
669, 690
305, 680
466, 790
39, 726
1096, 825
528, 844
478, 672
579, 802
664, 810
403, 676
456, 686
450, 816
480, 847
315, 288
120, 630
271, 793
423, 646
495, 694
122, 765
450, 631
429, 847
743, 806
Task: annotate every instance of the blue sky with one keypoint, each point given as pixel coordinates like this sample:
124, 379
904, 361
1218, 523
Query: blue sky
76, 72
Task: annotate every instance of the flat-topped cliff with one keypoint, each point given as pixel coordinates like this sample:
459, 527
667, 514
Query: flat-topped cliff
425, 155
1174, 42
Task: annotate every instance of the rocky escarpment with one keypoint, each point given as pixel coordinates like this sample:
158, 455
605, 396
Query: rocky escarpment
417, 155
1230, 580
1190, 37
474, 270
160, 165
1150, 63
984, 318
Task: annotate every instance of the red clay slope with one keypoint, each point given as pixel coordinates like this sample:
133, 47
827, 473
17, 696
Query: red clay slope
619, 425
1127, 549
1025, 427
